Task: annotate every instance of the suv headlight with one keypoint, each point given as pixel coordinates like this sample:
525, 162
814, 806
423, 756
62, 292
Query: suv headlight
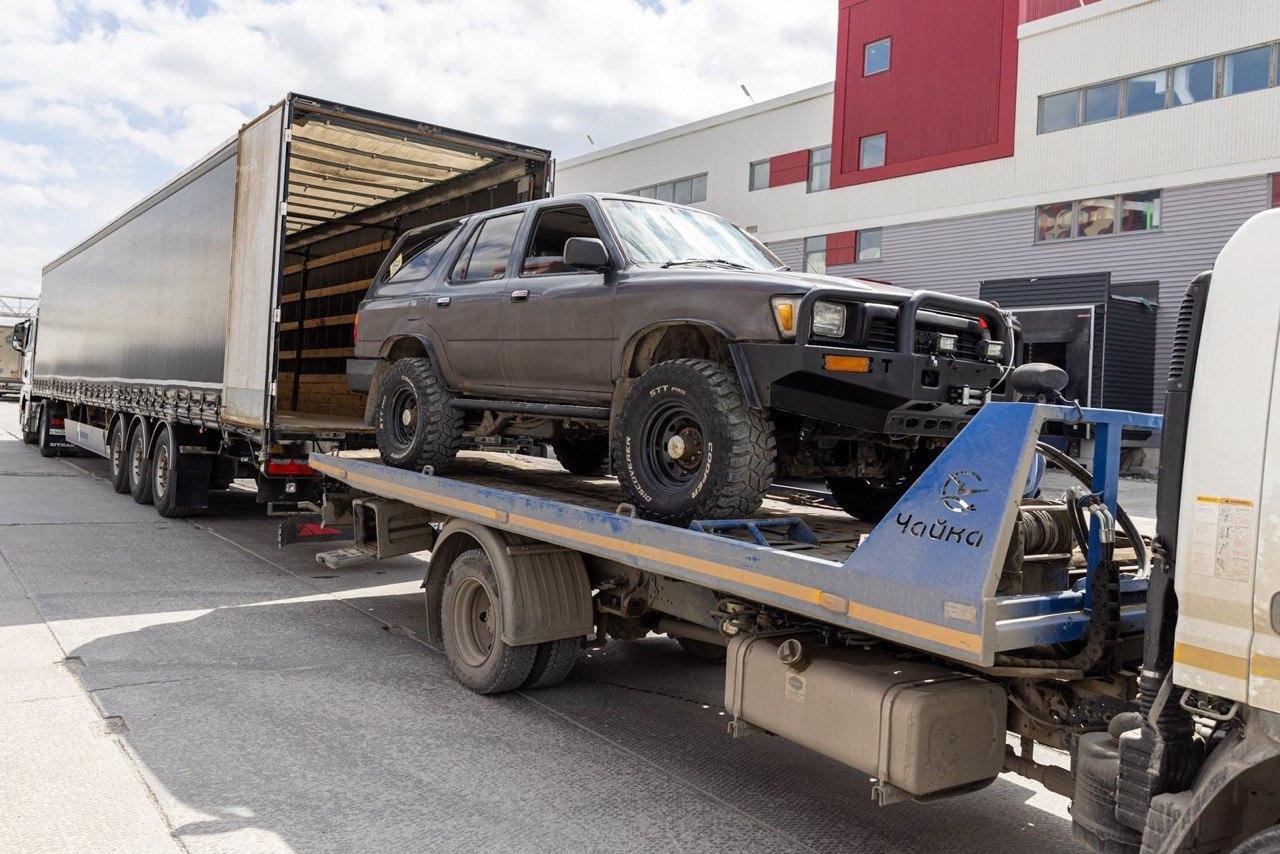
785, 312
828, 319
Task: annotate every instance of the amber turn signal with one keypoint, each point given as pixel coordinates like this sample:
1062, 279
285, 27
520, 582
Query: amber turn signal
847, 364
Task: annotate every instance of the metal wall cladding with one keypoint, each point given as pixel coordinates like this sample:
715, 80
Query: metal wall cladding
955, 255
146, 299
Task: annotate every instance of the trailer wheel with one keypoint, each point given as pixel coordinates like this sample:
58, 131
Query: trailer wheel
470, 612
554, 662
416, 425
139, 467
586, 455
116, 457
43, 440
687, 446
164, 475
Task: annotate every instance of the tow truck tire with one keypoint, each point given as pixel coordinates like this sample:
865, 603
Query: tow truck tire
139, 465
116, 457
416, 424
587, 456
687, 446
554, 662
865, 499
29, 436
470, 611
164, 475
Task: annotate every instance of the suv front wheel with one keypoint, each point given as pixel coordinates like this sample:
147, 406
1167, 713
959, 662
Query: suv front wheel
687, 446
416, 424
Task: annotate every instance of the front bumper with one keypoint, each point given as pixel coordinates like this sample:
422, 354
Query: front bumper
903, 393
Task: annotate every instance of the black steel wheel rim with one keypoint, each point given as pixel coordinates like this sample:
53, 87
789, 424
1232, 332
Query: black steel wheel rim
673, 445
404, 415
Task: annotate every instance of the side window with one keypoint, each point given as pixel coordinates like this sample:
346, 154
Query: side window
546, 247
416, 259
486, 255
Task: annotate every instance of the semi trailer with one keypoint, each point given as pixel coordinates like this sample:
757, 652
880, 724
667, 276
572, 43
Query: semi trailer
202, 335
976, 623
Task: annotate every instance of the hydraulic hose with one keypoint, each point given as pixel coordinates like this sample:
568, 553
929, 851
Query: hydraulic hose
1081, 474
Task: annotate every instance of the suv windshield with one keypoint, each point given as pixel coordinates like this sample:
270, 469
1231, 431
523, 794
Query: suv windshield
654, 233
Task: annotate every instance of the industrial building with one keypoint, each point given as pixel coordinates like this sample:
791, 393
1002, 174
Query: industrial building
1079, 161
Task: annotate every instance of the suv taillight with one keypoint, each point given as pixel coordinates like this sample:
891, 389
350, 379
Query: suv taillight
355, 330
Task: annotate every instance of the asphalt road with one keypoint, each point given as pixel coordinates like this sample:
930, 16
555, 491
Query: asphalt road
184, 685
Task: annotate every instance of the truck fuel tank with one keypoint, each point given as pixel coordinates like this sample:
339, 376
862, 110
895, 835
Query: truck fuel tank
918, 728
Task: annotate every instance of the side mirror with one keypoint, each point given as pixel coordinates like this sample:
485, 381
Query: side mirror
586, 252
17, 340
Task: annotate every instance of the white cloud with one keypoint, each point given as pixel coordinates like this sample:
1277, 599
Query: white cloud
154, 84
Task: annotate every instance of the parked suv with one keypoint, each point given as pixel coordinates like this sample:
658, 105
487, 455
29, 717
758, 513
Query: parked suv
669, 345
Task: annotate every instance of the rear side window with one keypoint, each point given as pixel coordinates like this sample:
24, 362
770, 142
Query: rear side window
487, 253
416, 259
546, 246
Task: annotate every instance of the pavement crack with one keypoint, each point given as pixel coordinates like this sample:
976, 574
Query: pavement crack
652, 691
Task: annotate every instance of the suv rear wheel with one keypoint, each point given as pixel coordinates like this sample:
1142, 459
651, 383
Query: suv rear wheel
687, 446
416, 425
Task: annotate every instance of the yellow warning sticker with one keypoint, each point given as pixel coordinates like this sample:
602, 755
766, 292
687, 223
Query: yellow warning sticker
1223, 534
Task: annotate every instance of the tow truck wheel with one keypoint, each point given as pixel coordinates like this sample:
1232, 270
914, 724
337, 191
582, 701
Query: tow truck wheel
416, 425
687, 446
1261, 842
587, 456
116, 457
164, 475
553, 662
470, 615
865, 499
139, 467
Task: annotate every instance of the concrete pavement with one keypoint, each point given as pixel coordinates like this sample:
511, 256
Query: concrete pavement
184, 685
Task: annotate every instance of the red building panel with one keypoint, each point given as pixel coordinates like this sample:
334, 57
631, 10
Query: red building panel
948, 96
1034, 10
1275, 191
790, 168
842, 248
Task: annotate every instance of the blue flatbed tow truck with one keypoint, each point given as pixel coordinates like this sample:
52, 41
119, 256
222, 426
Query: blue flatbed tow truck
907, 649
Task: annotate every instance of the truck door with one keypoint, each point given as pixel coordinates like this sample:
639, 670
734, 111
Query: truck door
557, 324
467, 306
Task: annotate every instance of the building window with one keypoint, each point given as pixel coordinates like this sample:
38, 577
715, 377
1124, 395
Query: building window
1194, 82
869, 244
820, 169
871, 151
815, 254
1146, 93
1246, 71
1101, 102
1162, 88
759, 179
1126, 213
684, 191
1059, 112
875, 57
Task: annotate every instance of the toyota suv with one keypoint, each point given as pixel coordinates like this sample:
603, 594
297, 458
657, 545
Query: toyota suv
669, 346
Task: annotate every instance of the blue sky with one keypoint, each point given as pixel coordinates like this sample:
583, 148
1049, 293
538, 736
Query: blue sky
101, 101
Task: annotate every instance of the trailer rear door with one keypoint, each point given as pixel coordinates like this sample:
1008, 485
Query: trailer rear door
255, 266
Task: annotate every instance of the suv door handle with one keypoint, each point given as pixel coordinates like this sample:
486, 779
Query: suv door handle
520, 295
443, 302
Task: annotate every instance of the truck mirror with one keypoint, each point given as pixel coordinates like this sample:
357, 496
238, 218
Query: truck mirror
586, 252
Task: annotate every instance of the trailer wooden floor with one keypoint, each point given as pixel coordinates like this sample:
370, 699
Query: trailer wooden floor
837, 532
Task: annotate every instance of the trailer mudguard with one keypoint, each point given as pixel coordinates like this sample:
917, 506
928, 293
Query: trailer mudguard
543, 589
